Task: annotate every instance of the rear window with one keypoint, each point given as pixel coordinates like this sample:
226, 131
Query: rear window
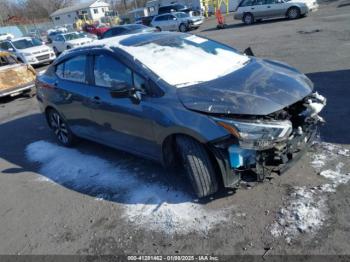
73, 69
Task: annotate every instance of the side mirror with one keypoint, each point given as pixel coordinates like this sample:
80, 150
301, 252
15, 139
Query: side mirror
249, 52
120, 90
124, 90
10, 49
174, 18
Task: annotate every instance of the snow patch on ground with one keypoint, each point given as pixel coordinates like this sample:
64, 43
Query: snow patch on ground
307, 207
327, 152
305, 213
149, 206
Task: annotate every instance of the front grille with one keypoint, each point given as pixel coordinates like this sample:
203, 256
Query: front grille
43, 57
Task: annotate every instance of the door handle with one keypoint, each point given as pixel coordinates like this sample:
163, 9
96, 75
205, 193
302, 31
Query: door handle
269, 7
252, 8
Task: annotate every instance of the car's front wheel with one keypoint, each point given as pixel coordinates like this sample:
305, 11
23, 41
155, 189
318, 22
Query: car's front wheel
293, 13
248, 19
60, 128
198, 166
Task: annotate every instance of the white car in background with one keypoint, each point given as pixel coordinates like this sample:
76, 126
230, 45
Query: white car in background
6, 36
176, 21
29, 50
70, 40
57, 29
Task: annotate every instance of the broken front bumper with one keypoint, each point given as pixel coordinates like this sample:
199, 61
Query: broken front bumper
278, 159
234, 156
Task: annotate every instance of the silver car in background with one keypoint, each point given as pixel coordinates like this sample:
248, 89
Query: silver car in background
176, 21
250, 11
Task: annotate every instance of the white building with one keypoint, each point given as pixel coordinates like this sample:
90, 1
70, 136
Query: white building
92, 10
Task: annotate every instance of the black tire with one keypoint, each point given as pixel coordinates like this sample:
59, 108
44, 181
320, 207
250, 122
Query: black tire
248, 19
61, 129
198, 166
182, 28
293, 13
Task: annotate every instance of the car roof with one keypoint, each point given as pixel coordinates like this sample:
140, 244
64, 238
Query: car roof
21, 38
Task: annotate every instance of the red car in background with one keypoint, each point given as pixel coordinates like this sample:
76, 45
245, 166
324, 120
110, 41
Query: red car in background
95, 29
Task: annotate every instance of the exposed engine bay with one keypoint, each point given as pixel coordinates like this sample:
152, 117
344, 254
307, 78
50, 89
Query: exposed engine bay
285, 135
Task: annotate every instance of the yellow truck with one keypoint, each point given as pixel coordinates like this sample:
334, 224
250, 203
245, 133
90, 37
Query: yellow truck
15, 77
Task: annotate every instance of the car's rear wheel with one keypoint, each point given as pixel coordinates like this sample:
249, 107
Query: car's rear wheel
182, 28
248, 19
60, 128
198, 166
293, 13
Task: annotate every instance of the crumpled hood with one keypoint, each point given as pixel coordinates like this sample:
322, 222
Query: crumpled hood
259, 88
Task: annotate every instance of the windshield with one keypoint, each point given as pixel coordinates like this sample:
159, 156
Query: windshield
26, 43
184, 60
72, 36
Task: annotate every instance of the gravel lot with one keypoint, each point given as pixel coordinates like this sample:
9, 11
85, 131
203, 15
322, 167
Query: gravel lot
96, 200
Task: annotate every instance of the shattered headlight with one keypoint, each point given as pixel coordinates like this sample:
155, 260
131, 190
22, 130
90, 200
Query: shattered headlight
257, 135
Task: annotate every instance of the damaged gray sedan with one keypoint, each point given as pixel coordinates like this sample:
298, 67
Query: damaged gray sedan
183, 100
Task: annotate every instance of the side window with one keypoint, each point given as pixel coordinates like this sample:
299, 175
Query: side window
5, 45
139, 82
248, 3
108, 33
108, 72
73, 69
268, 2
160, 18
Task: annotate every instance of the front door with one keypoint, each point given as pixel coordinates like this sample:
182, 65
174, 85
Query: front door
120, 122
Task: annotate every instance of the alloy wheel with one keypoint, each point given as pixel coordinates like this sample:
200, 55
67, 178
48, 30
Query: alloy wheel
59, 127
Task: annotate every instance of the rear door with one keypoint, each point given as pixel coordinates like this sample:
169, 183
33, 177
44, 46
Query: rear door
259, 9
120, 122
71, 96
172, 23
277, 9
